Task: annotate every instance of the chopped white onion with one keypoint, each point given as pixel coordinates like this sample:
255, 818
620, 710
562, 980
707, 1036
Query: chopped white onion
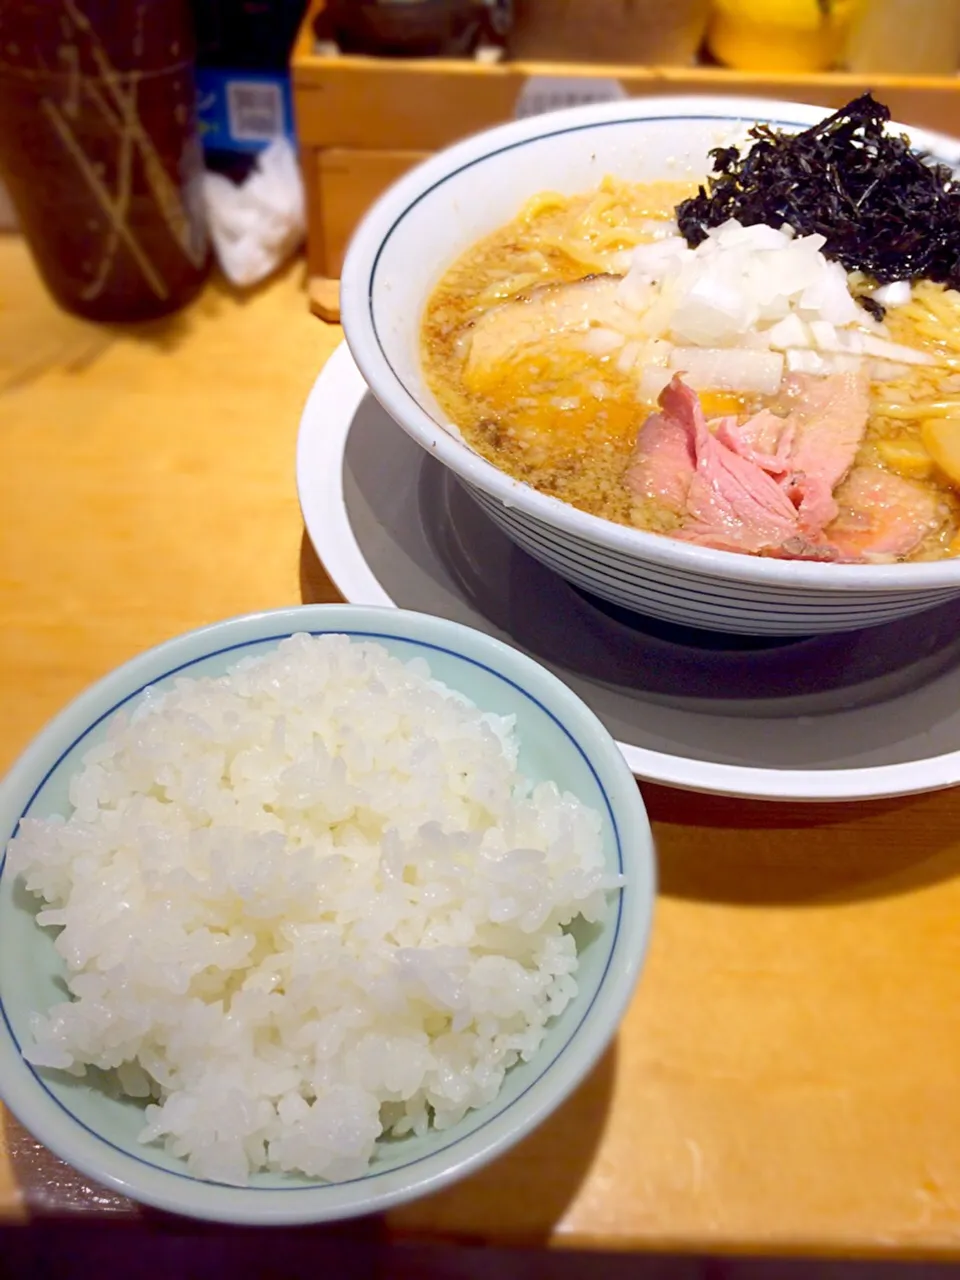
651, 261
791, 331
732, 234
715, 310
659, 228
636, 292
620, 262
824, 334
756, 340
827, 337
601, 342
896, 294
886, 370
658, 353
805, 361
828, 297
844, 362
652, 381
729, 369
643, 356
895, 351
750, 293
628, 356
851, 341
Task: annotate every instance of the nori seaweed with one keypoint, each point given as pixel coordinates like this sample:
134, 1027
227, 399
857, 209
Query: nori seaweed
885, 210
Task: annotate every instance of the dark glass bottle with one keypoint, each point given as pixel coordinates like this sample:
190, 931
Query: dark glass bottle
100, 152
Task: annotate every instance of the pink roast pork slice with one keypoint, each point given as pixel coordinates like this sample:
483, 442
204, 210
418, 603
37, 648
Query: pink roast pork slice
761, 486
726, 499
882, 516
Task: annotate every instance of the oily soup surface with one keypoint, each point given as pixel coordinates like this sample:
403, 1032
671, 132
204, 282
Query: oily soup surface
550, 406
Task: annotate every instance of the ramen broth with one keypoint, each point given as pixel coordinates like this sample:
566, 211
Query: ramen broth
553, 408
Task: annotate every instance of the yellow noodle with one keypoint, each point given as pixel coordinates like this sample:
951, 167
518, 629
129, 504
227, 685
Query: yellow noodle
921, 409
935, 333
912, 313
600, 204
546, 201
510, 287
620, 236
577, 251
945, 303
908, 324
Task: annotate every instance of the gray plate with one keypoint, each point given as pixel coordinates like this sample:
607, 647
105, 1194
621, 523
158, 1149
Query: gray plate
842, 717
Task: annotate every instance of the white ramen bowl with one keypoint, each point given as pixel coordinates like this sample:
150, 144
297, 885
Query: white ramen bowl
437, 211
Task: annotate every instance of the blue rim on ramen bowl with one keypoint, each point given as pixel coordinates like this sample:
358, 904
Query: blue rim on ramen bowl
96, 1131
422, 224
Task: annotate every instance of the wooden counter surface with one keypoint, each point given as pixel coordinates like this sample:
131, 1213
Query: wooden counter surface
786, 1079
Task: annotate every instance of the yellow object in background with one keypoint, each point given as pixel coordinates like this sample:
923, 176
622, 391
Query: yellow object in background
941, 436
919, 37
780, 35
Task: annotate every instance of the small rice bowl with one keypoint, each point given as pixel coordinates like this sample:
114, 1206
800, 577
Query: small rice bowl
308, 904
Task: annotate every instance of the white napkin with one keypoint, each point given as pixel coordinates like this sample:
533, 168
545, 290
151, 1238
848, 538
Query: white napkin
257, 225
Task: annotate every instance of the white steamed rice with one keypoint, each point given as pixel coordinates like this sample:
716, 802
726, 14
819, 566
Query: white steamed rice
306, 904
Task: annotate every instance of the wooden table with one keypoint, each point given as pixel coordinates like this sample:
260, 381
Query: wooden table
786, 1079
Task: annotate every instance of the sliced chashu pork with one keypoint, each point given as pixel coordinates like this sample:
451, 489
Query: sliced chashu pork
883, 517
541, 316
718, 484
863, 512
812, 446
826, 418
664, 458
826, 422
724, 498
